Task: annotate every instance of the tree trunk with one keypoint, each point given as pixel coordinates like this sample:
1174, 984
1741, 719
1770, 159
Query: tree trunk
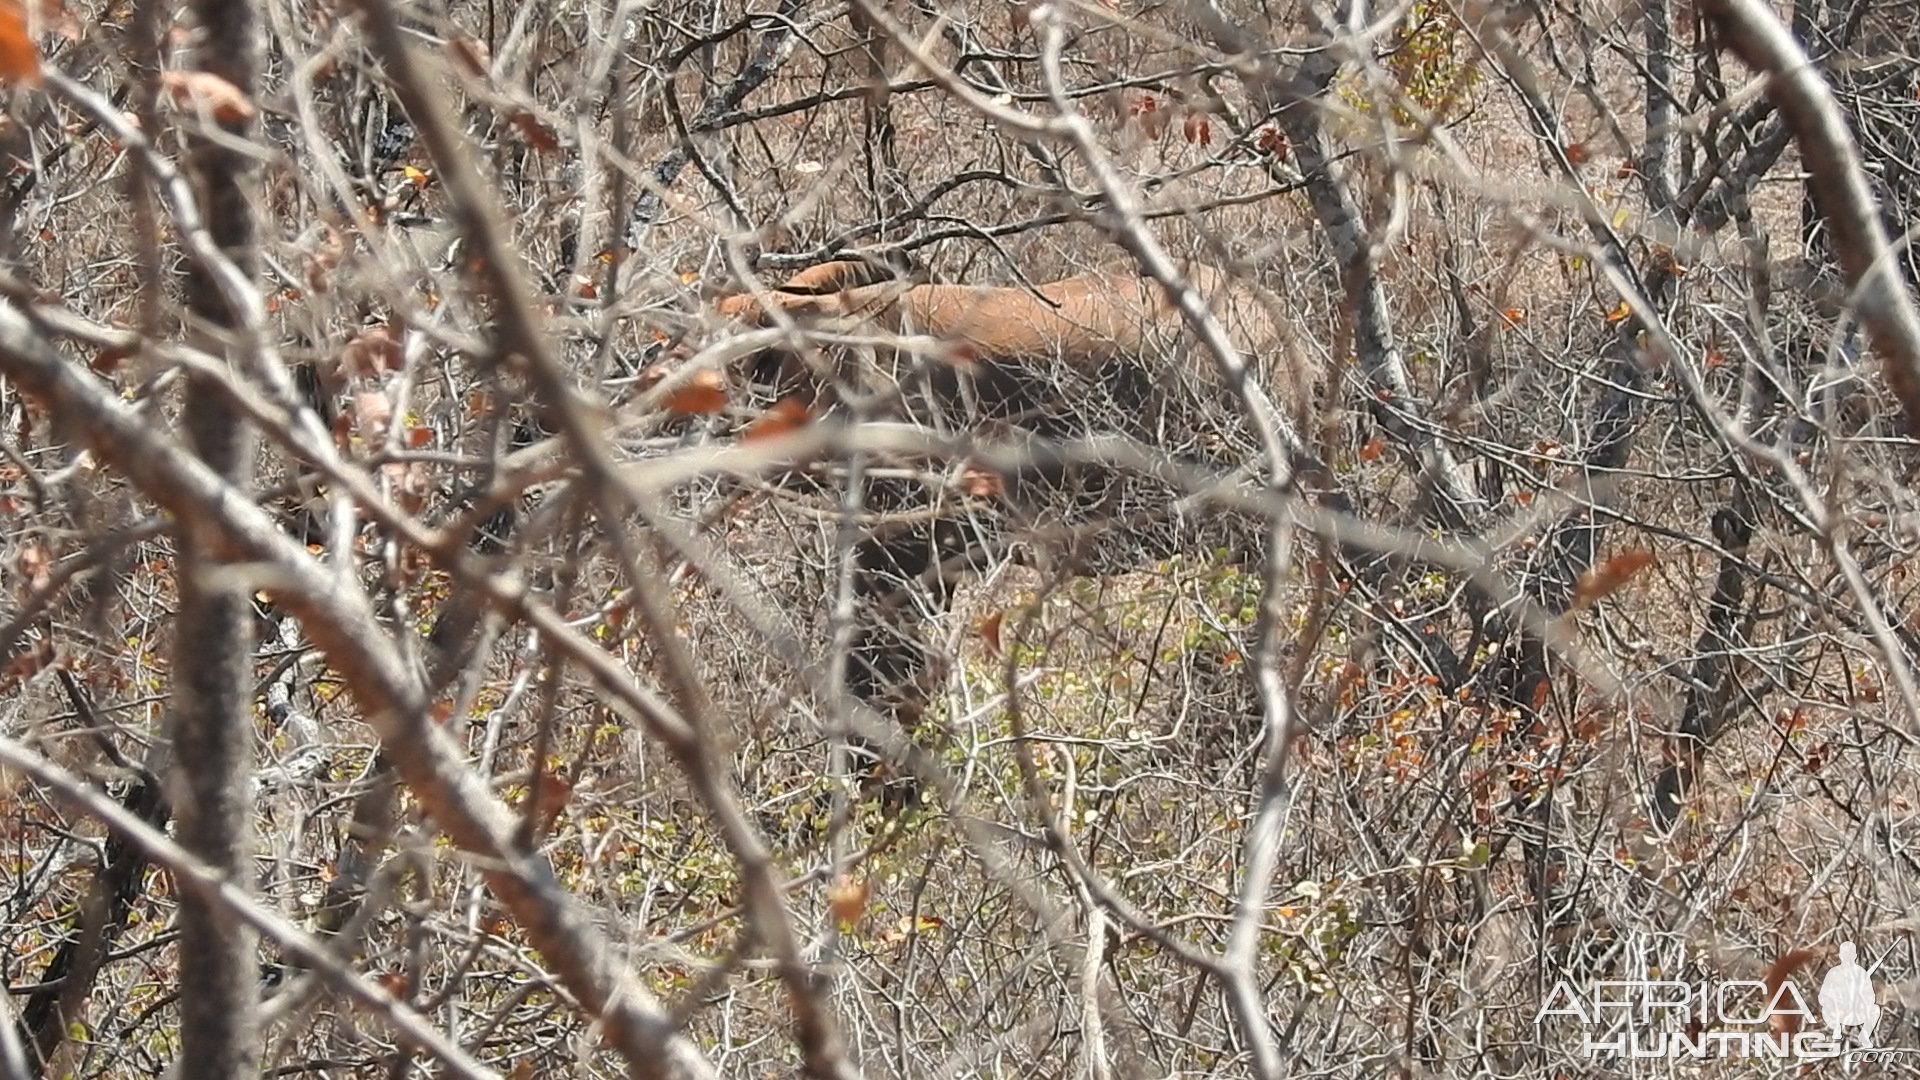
213, 699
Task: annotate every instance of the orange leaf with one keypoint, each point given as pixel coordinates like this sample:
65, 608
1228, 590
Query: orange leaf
848, 898
1576, 153
1372, 449
701, 395
19, 56
990, 633
1605, 579
555, 792
108, 360
205, 90
1620, 312
787, 414
1778, 972
28, 663
1515, 316
538, 135
617, 612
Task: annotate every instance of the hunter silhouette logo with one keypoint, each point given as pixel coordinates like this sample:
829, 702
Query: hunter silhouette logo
1725, 1018
1846, 999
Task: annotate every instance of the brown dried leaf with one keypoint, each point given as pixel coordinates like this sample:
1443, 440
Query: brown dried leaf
1785, 1022
27, 663
703, 394
538, 135
990, 633
111, 358
205, 90
847, 898
555, 793
786, 415
1606, 578
19, 56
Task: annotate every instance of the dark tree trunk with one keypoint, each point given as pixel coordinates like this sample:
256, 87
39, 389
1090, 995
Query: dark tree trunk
213, 729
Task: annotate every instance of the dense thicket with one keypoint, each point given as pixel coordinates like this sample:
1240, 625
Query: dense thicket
1423, 516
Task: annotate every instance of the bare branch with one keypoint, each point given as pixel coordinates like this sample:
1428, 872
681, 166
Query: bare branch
342, 625
1839, 188
213, 886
